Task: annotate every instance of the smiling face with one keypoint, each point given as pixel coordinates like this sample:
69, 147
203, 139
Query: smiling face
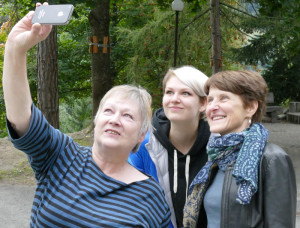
180, 102
226, 112
118, 125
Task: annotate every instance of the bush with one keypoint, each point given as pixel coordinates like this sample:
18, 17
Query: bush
75, 116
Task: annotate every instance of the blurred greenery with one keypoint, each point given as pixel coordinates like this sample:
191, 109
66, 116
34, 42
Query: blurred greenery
275, 44
142, 47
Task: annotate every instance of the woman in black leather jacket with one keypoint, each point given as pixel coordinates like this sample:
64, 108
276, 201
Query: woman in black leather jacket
247, 181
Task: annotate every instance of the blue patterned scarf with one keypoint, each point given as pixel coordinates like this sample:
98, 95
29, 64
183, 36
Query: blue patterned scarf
245, 150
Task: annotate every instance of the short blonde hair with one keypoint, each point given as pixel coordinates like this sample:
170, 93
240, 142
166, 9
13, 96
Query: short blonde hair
191, 77
138, 94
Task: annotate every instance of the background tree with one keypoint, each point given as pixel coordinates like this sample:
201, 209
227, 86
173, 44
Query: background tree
74, 59
142, 41
216, 50
147, 47
101, 77
47, 78
274, 44
99, 22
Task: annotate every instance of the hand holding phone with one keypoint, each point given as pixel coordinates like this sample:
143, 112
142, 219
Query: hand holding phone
53, 14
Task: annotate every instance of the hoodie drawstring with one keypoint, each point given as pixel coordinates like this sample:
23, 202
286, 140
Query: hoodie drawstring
175, 172
187, 172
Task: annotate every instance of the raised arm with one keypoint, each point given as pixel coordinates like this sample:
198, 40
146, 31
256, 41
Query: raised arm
17, 95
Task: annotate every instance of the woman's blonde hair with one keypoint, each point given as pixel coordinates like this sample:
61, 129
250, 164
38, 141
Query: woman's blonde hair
191, 77
138, 94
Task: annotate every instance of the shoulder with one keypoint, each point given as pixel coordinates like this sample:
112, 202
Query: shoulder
273, 150
275, 158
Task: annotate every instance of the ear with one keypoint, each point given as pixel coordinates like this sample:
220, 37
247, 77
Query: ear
203, 102
142, 137
252, 108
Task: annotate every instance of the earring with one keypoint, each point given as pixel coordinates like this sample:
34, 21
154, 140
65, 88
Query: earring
249, 122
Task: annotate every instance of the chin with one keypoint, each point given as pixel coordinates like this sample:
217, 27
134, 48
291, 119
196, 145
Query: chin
215, 130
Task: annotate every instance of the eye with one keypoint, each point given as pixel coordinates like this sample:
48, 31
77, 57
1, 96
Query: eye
107, 110
169, 92
128, 116
187, 93
209, 100
224, 98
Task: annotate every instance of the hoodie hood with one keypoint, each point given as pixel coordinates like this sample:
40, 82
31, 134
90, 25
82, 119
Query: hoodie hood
161, 128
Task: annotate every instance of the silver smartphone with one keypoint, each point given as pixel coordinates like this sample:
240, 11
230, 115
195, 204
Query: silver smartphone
53, 14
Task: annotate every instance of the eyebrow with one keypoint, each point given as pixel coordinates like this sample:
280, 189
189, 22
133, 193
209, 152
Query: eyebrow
112, 105
181, 89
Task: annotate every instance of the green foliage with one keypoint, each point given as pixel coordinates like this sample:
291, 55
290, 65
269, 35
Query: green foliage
142, 53
76, 115
3, 132
74, 59
142, 38
74, 63
10, 12
275, 44
283, 78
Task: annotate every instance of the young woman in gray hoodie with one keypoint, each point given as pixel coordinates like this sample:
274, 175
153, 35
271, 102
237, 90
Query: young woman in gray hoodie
175, 150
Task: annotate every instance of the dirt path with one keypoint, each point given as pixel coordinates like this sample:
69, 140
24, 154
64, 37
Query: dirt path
17, 181
15, 205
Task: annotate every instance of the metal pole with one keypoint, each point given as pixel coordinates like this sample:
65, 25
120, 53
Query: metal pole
176, 36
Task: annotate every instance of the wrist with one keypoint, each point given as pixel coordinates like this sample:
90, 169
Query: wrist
12, 47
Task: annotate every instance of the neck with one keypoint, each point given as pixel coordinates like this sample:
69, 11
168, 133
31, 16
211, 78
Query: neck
183, 136
109, 161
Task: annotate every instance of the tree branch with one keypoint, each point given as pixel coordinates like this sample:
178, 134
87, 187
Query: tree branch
224, 14
195, 18
253, 8
241, 11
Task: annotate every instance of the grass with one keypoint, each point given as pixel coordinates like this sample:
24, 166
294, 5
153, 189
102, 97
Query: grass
21, 174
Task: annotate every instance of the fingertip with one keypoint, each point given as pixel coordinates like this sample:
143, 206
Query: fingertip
39, 4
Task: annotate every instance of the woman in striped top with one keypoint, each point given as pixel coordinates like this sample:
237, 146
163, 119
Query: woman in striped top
81, 186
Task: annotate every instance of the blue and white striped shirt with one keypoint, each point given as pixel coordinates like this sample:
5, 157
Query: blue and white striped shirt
72, 191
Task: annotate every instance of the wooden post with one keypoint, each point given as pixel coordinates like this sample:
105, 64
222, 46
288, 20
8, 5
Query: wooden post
91, 45
105, 44
95, 46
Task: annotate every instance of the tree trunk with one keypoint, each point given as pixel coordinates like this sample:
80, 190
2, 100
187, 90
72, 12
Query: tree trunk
101, 74
216, 58
47, 78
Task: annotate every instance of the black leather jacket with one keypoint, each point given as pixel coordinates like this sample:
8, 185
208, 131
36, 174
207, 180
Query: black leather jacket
272, 206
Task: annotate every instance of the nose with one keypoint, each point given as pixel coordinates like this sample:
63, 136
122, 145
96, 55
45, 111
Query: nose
175, 97
115, 119
212, 105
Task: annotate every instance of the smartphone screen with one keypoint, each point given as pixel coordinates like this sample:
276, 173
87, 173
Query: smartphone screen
53, 14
